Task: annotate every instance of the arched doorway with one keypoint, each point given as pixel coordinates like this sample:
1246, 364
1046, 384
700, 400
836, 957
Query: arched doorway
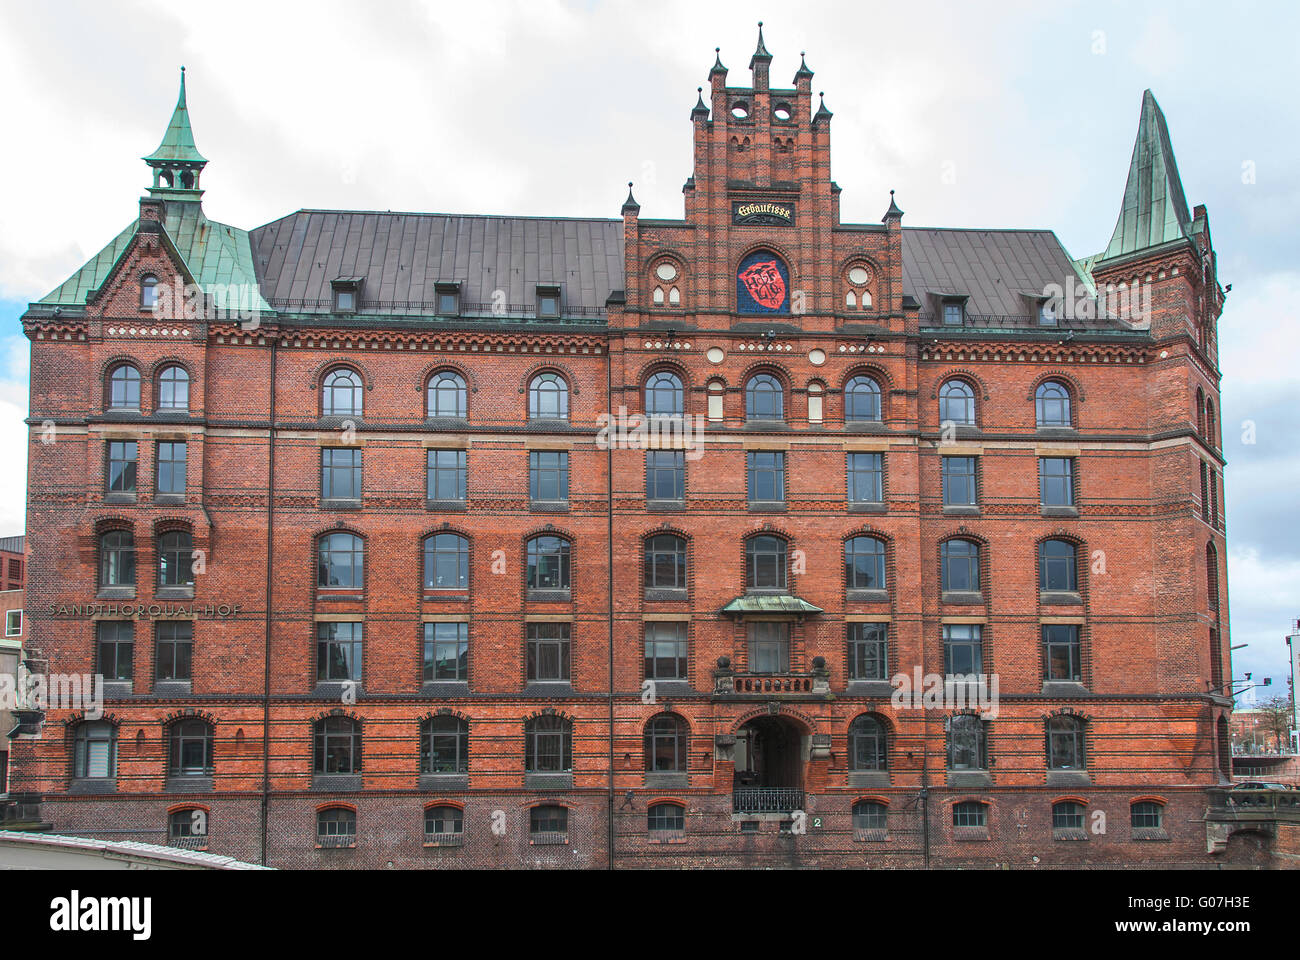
770, 755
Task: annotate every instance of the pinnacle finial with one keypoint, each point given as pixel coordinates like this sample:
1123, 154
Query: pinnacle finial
717, 62
803, 68
761, 52
630, 205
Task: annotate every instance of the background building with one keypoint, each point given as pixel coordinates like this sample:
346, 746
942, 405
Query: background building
13, 561
368, 584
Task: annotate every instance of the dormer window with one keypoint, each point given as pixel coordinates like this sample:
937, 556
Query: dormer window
448, 295
347, 294
1047, 313
548, 301
954, 313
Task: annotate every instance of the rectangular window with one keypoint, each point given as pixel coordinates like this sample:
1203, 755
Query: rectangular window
338, 652
446, 651
867, 651
548, 476
175, 650
665, 475
446, 475
340, 473
769, 647
121, 466
963, 649
866, 477
665, 651
1061, 649
116, 642
1056, 481
171, 468
345, 300
958, 474
548, 652
448, 304
13, 623
766, 476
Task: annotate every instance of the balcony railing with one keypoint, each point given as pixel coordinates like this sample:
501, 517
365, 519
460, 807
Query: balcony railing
766, 800
774, 683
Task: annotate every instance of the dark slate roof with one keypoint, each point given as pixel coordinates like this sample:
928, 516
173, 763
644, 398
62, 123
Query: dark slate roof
403, 255
999, 271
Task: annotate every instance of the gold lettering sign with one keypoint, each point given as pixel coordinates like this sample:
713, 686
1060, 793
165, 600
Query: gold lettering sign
763, 212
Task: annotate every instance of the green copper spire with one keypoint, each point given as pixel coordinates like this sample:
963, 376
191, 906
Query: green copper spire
177, 163
1155, 210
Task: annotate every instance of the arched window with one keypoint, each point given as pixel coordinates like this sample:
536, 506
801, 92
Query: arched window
1147, 815
869, 815
1211, 435
868, 749
1212, 579
664, 395
94, 752
716, 391
336, 827
447, 395
176, 559
815, 390
850, 299
959, 562
666, 818
446, 562
674, 297
665, 562
548, 823
337, 745
765, 563
970, 813
173, 389
117, 559
1052, 405
188, 828
1058, 567
1200, 411
957, 403
444, 745
548, 744
549, 565
864, 563
341, 561
189, 749
665, 744
659, 296
341, 394
443, 824
862, 399
764, 398
1065, 744
967, 747
149, 293
124, 388
1067, 815
548, 397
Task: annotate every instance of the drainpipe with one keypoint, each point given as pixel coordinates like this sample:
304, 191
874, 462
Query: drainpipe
609, 581
924, 798
266, 644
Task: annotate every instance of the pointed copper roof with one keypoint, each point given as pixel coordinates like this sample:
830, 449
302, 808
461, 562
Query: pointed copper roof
717, 63
823, 113
701, 109
178, 142
630, 205
803, 70
1155, 209
761, 52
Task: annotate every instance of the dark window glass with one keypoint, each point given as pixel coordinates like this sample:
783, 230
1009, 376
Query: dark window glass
1057, 566
548, 398
117, 559
665, 562
766, 476
864, 563
862, 399
444, 745
953, 314
94, 752
866, 475
1147, 815
548, 475
338, 651
448, 304
174, 389
1061, 651
868, 651
336, 826
340, 473
765, 563
175, 641
969, 813
548, 564
447, 395
1067, 815
184, 824
121, 466
446, 562
958, 475
959, 563
171, 468
867, 744
176, 559
550, 819
1052, 405
190, 748
1056, 481
341, 394
445, 821
966, 743
663, 395
957, 403
666, 818
446, 475
548, 744
764, 398
963, 649
769, 647
124, 388
338, 745
116, 642
665, 744
446, 651
665, 475
341, 561
1065, 743
870, 815
665, 650
548, 652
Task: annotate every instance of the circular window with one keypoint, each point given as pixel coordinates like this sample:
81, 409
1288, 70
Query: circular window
715, 354
666, 271
782, 112
816, 357
740, 110
859, 275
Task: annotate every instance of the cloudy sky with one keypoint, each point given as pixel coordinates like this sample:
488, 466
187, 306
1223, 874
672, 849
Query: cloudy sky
988, 115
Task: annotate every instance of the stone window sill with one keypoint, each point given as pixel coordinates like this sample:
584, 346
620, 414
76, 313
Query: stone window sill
549, 506
868, 506
1060, 511
961, 510
445, 506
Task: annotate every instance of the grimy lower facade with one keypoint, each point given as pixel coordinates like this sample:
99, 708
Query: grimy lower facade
467, 541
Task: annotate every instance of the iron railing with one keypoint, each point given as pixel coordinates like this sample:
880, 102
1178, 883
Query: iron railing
766, 800
990, 323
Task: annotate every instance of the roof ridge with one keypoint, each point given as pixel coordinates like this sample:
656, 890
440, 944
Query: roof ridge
435, 213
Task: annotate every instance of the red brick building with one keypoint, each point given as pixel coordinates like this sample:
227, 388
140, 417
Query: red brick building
370, 578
